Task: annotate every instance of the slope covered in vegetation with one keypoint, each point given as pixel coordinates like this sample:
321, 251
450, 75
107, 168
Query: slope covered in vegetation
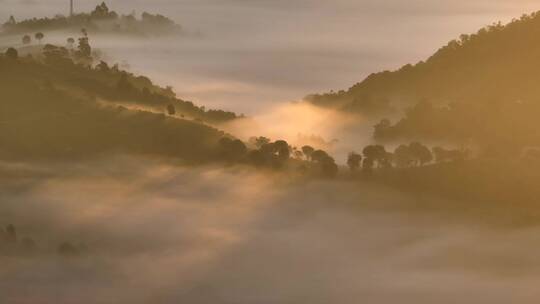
77, 69
498, 63
58, 106
48, 112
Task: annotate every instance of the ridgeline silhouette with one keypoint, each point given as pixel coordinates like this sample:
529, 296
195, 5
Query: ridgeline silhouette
101, 19
498, 63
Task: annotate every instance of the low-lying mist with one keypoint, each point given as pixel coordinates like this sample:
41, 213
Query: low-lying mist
156, 233
300, 123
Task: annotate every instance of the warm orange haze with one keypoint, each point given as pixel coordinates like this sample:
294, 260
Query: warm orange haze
269, 151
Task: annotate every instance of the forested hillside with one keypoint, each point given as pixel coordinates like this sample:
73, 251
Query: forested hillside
47, 111
55, 105
498, 63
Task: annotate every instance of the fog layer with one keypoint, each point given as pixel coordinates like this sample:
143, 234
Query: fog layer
162, 234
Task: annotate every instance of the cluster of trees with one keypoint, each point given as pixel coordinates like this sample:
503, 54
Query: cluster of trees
65, 57
102, 12
11, 243
279, 155
502, 128
321, 161
11, 54
101, 19
27, 39
414, 154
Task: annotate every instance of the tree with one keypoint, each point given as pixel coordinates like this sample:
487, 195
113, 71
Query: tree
171, 110
11, 21
102, 12
56, 55
421, 153
327, 165
26, 39
282, 150
376, 153
85, 50
353, 161
308, 151
319, 155
232, 149
402, 156
257, 158
124, 84
367, 166
39, 36
373, 151
70, 42
12, 53
102, 66
259, 141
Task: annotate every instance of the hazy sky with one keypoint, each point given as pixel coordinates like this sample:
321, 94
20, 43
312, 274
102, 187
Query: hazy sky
255, 53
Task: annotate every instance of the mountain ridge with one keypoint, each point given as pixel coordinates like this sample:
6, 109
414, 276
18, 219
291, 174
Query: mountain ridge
480, 66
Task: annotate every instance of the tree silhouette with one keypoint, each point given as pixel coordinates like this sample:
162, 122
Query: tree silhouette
102, 12
259, 141
171, 110
282, 149
123, 84
367, 166
327, 165
421, 153
84, 48
12, 53
26, 39
353, 161
318, 155
377, 153
308, 151
403, 156
39, 36
70, 42
102, 66
11, 21
232, 149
